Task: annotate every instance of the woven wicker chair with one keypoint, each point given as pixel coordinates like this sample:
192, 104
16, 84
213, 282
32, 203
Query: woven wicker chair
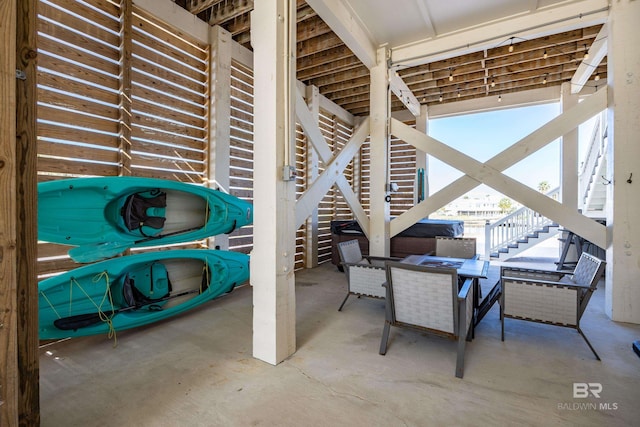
427, 299
552, 297
456, 247
365, 275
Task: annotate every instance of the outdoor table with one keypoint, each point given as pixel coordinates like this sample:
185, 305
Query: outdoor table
472, 268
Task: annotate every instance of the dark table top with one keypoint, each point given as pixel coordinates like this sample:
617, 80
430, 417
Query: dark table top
473, 268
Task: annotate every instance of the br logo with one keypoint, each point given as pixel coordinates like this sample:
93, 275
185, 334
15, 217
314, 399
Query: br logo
584, 390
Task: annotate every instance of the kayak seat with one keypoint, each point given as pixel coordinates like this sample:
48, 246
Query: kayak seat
144, 212
148, 285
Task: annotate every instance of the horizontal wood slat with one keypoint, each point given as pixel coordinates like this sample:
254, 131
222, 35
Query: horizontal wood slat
170, 34
76, 119
71, 151
62, 102
63, 84
79, 167
164, 137
49, 47
163, 85
156, 67
172, 116
146, 48
51, 131
143, 119
86, 44
180, 104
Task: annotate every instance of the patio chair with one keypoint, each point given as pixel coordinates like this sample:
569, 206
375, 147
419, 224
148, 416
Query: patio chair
552, 297
456, 247
365, 275
428, 299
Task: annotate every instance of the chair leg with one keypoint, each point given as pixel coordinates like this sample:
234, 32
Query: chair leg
343, 301
385, 338
588, 343
502, 323
460, 357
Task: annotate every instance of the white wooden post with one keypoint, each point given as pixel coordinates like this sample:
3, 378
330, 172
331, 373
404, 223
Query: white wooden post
379, 243
272, 258
569, 154
311, 242
622, 301
219, 117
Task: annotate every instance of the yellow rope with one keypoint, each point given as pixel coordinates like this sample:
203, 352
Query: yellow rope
50, 305
206, 215
107, 293
107, 319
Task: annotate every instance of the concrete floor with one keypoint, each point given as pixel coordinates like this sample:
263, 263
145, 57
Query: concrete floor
198, 370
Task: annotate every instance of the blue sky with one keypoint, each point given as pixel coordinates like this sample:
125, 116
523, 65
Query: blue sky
483, 135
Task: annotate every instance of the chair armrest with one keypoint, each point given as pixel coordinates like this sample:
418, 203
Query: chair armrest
464, 290
363, 265
379, 260
532, 281
531, 274
382, 258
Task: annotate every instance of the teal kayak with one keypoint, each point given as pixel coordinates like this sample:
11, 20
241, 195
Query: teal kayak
104, 216
135, 290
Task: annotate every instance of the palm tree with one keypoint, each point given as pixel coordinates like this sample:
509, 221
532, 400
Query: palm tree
544, 187
505, 205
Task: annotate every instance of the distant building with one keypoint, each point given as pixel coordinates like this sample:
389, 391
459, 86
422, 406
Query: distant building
477, 205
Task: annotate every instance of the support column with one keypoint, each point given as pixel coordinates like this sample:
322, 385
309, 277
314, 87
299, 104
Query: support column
25, 248
19, 353
9, 366
422, 161
569, 153
311, 259
273, 255
622, 297
124, 91
379, 243
219, 118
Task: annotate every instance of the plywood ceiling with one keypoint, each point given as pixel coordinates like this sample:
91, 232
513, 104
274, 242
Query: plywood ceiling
323, 59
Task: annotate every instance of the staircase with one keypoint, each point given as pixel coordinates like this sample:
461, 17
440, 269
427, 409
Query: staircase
593, 177
518, 232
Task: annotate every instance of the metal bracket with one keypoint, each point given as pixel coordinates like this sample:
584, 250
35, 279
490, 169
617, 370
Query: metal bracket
288, 173
21, 75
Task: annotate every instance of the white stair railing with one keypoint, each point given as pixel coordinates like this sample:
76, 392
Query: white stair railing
517, 227
587, 175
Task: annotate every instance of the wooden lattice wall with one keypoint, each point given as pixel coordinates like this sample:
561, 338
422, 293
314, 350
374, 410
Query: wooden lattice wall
119, 93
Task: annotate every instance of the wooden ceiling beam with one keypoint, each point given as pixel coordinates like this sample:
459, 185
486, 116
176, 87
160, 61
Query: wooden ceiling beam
224, 12
329, 69
597, 52
311, 28
567, 52
197, 6
548, 42
341, 78
522, 80
343, 85
457, 62
317, 44
547, 21
355, 91
347, 28
325, 57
